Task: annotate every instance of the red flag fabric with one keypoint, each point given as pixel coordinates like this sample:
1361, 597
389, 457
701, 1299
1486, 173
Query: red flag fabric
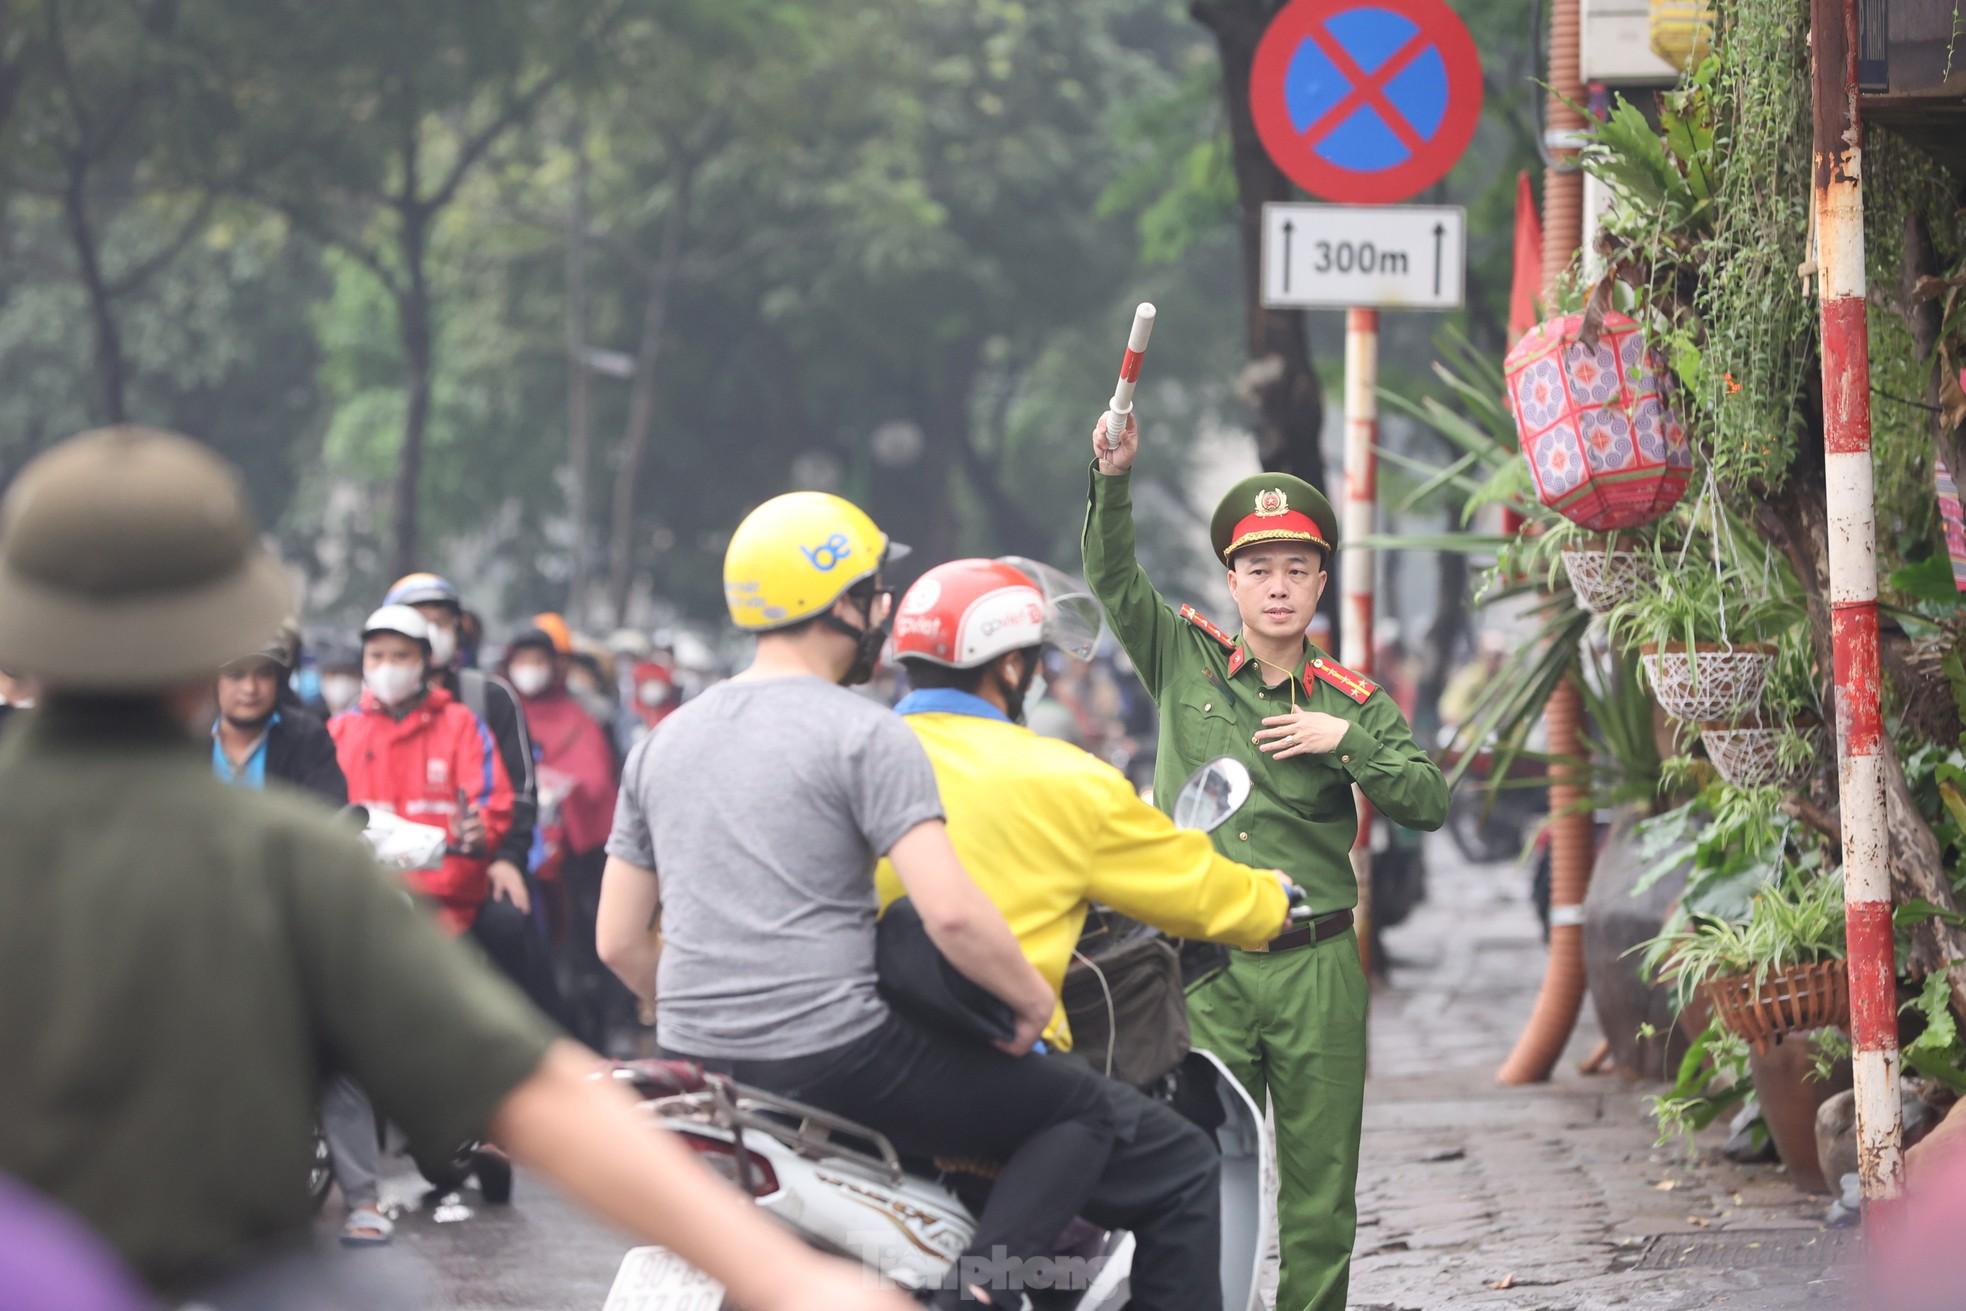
1526, 284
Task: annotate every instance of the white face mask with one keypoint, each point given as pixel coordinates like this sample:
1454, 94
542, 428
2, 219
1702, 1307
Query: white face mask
443, 647
531, 680
394, 684
338, 691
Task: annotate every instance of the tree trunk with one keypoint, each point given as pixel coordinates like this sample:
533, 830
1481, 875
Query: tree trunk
1279, 382
1797, 520
579, 380
102, 310
413, 310
641, 401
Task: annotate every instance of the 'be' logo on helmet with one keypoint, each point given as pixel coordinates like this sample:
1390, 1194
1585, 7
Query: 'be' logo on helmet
826, 556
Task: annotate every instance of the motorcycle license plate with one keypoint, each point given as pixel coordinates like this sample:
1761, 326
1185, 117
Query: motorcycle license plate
656, 1279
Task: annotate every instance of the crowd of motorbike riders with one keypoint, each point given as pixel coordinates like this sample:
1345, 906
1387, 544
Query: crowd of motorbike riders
550, 860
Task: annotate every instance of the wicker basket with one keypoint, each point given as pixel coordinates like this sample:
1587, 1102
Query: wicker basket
1793, 1001
1601, 579
1723, 682
1749, 755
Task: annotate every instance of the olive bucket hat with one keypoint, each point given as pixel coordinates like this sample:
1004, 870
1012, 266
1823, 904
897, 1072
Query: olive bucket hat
129, 561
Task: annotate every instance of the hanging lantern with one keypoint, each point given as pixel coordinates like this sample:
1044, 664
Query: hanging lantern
1603, 446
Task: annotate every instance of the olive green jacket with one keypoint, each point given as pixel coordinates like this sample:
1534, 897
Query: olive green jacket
1301, 817
181, 963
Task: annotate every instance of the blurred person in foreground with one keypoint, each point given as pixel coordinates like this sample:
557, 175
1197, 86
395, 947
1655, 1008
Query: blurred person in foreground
180, 960
577, 782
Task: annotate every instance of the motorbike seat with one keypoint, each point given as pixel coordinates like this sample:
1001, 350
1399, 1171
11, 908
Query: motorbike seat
653, 1079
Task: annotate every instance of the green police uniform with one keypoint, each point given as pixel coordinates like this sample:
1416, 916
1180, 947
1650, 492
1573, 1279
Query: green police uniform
1290, 1023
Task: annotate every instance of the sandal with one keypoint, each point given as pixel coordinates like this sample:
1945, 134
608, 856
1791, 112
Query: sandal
366, 1226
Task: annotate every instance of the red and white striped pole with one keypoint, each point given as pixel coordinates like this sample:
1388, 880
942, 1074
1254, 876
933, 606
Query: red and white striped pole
1361, 499
1839, 202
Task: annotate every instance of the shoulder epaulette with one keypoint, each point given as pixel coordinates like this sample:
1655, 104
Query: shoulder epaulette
1200, 621
1355, 686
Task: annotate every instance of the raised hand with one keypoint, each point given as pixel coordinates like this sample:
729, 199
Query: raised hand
1116, 457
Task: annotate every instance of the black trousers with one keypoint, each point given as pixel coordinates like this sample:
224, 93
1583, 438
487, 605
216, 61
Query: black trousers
1073, 1143
1162, 1181
1049, 1123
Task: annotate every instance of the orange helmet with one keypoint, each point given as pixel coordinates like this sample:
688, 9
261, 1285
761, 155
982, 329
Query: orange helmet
555, 627
966, 613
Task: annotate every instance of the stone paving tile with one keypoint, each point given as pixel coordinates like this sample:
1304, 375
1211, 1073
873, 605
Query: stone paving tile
1531, 1199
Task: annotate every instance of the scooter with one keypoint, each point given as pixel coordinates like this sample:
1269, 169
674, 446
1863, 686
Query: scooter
845, 1189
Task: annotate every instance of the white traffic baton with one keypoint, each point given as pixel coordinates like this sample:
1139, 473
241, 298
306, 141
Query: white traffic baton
1136, 350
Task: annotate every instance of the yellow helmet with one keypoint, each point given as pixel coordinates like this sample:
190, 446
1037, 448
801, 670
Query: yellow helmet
795, 555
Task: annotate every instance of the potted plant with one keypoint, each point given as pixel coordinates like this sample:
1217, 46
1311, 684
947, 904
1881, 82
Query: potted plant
1774, 973
1699, 640
1780, 741
1605, 570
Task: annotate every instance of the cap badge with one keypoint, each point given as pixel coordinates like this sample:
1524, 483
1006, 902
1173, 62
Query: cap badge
1271, 503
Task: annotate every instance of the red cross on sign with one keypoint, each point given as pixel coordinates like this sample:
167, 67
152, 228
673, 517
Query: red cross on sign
1365, 101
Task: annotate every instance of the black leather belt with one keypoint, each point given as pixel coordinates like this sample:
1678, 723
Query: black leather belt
1322, 929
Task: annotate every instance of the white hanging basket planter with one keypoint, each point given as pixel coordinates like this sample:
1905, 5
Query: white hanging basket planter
1713, 682
1601, 579
1749, 755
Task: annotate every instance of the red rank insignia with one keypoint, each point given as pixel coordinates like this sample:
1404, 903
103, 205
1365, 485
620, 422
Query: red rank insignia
1200, 621
1357, 687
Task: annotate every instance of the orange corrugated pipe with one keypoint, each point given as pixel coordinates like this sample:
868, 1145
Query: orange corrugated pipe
1570, 833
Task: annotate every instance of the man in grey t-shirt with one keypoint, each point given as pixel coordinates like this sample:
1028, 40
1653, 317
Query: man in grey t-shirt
804, 784
739, 893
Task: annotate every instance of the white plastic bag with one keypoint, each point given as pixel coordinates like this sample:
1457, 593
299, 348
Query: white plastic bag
403, 844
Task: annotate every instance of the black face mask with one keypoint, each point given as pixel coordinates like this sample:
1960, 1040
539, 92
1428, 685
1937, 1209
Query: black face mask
868, 643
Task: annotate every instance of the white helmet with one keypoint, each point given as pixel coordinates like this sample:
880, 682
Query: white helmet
403, 620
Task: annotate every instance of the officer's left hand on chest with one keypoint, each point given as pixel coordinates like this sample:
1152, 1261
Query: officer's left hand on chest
1301, 733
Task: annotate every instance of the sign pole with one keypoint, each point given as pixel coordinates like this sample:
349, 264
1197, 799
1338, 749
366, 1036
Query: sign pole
1361, 498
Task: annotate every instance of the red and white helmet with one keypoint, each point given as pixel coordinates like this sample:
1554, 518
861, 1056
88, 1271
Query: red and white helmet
966, 613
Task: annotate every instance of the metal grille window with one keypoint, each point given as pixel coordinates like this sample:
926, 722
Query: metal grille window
1873, 45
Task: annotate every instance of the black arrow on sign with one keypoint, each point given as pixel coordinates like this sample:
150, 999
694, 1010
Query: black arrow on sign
1440, 234
1288, 228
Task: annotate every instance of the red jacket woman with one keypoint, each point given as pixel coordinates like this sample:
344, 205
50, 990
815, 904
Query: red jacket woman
427, 759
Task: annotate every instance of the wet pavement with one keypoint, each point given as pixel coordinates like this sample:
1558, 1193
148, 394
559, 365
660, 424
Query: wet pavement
538, 1254
1541, 1199
1552, 1197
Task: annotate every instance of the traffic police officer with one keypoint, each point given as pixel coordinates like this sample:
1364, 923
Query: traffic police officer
1288, 1020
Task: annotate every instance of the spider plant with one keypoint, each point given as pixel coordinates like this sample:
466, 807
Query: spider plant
1795, 920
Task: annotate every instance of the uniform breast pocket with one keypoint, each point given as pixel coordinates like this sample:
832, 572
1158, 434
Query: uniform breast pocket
1205, 723
1313, 786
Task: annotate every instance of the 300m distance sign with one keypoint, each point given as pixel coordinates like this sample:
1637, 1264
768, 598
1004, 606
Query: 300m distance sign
1387, 256
1365, 102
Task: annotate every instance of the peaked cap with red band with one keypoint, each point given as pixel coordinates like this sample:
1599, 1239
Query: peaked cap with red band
1272, 507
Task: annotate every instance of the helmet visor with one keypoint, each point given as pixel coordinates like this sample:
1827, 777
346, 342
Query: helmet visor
1072, 617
